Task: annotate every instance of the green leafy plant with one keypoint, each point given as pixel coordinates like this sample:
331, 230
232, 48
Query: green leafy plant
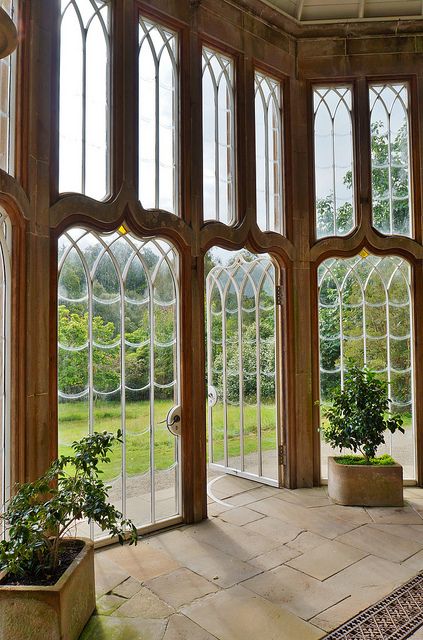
42, 513
359, 414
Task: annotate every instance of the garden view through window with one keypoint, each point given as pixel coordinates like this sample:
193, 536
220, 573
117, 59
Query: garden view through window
118, 325
241, 364
365, 318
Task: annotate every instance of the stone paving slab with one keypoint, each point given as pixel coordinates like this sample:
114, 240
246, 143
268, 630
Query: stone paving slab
110, 628
142, 561
380, 543
221, 568
240, 542
327, 559
107, 573
235, 615
145, 604
372, 571
240, 516
274, 558
331, 618
181, 587
300, 594
182, 628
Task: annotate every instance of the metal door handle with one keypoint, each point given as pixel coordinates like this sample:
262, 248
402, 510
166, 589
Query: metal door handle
173, 420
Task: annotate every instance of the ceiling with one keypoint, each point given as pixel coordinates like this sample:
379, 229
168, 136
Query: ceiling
327, 10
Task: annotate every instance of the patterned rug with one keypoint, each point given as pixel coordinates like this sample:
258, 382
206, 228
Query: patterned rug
395, 617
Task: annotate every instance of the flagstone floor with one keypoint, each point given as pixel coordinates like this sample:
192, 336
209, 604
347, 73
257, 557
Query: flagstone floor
268, 563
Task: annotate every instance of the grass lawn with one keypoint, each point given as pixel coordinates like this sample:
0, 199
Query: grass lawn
73, 425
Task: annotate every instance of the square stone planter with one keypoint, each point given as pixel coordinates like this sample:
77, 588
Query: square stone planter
57, 612
365, 485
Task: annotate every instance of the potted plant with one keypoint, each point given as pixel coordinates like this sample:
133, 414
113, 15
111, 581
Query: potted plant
47, 589
357, 420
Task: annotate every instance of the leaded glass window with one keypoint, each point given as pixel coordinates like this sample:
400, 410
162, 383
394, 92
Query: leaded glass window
268, 106
158, 116
390, 146
365, 317
118, 362
7, 101
241, 364
84, 97
334, 161
218, 137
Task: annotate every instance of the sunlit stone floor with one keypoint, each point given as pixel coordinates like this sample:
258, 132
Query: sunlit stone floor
270, 564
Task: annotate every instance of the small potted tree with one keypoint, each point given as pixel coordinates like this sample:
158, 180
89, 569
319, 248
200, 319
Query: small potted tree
47, 589
357, 420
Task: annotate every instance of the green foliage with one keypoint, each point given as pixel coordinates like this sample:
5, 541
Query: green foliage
42, 512
356, 418
381, 461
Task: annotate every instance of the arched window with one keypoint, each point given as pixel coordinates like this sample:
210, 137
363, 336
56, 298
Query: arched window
390, 143
365, 317
334, 161
84, 97
241, 364
119, 361
7, 100
158, 117
218, 137
5, 285
268, 104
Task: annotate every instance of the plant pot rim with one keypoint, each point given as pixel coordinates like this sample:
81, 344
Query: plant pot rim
60, 583
365, 466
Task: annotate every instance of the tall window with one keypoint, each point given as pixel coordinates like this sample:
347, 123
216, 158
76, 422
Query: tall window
241, 364
7, 100
119, 362
5, 283
390, 143
218, 137
365, 317
268, 153
158, 117
334, 161
84, 97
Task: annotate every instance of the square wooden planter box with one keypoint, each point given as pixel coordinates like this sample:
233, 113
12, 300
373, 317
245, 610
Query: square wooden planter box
57, 612
365, 485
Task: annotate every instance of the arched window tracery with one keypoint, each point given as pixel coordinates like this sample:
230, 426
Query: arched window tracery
118, 319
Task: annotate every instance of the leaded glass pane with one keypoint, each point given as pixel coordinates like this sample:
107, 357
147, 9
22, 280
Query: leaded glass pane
7, 100
268, 153
241, 364
84, 119
158, 117
365, 317
334, 161
218, 137
390, 146
119, 362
